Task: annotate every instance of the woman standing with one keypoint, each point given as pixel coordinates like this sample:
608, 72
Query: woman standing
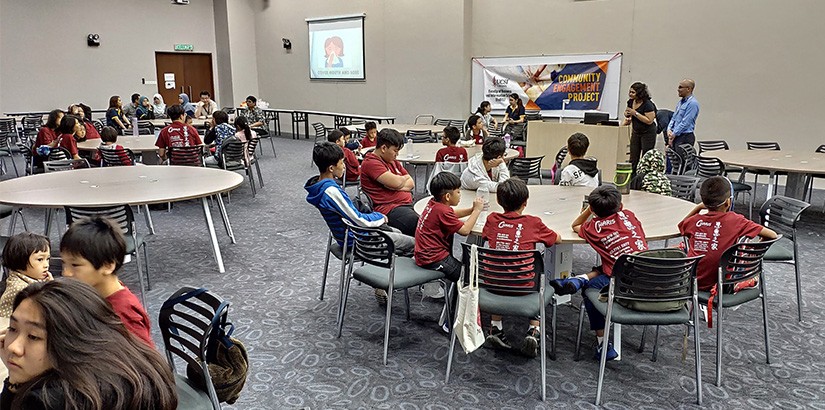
514, 113
114, 115
641, 113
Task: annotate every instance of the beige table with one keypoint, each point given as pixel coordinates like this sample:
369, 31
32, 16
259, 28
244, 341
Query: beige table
558, 206
797, 164
139, 185
424, 153
138, 145
160, 123
403, 128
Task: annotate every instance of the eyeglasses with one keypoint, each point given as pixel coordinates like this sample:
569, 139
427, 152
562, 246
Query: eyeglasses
683, 86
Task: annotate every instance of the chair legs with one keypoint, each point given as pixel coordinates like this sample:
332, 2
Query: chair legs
718, 339
542, 351
697, 352
579, 331
765, 319
603, 360
387, 321
326, 267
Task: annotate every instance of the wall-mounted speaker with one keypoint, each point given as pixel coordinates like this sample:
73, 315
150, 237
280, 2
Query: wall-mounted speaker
93, 40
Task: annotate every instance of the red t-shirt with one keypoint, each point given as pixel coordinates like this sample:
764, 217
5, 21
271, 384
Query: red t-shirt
436, 226
513, 232
91, 131
132, 314
44, 137
367, 143
478, 138
68, 142
614, 236
383, 198
451, 154
710, 235
178, 134
352, 164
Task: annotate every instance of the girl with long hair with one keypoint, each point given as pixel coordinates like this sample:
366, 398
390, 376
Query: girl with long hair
114, 114
641, 113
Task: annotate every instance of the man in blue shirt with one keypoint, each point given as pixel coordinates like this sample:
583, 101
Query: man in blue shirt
680, 128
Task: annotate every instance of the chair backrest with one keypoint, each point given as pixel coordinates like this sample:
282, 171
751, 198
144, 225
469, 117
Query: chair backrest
98, 124
458, 124
25, 147
442, 122
658, 275
320, 131
532, 115
676, 161
232, 155
716, 145
560, 156
526, 167
763, 145
187, 156
420, 135
514, 272
781, 214
496, 130
117, 157
146, 128
8, 128
743, 261
455, 168
518, 131
122, 216
684, 186
424, 119
32, 123
371, 245
6, 142
59, 153
228, 110
65, 165
821, 149
707, 167
688, 154
251, 145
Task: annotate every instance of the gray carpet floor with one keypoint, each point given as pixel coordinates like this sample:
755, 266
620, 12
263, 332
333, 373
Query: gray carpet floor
297, 362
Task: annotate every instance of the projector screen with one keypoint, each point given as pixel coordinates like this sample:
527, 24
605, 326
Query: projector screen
336, 48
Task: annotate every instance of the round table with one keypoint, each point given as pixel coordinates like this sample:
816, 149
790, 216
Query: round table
160, 123
424, 153
403, 128
139, 144
797, 164
136, 185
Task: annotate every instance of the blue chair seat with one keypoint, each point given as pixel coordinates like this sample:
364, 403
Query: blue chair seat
782, 250
506, 305
189, 396
627, 316
730, 300
407, 274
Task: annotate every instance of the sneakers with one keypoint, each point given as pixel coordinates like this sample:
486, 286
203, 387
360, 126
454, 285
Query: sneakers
497, 340
381, 296
530, 345
611, 353
567, 286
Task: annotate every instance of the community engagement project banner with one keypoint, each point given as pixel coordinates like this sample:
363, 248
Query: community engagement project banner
565, 86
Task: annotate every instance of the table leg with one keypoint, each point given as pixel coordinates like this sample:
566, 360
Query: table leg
48, 224
771, 185
216, 249
225, 217
796, 185
294, 125
149, 222
306, 125
617, 340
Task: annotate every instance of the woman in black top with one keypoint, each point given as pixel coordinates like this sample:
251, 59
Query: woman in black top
641, 112
514, 114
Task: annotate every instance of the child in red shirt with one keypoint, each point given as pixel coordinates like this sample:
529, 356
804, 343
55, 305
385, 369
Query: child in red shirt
476, 129
353, 167
711, 233
611, 232
70, 131
108, 141
370, 139
450, 152
388, 183
177, 134
512, 230
92, 251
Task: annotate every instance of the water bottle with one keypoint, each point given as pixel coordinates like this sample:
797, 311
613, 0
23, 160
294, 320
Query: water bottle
507, 139
410, 149
484, 193
134, 127
622, 177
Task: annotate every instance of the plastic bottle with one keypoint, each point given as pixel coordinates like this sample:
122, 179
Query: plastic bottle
410, 148
484, 193
134, 126
507, 139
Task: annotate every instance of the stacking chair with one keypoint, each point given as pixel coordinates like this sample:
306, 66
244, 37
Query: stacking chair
420, 135
532, 115
6, 143
560, 156
233, 159
186, 324
424, 119
504, 291
526, 168
810, 179
455, 168
9, 211
739, 263
496, 130
116, 157
458, 124
252, 159
146, 127
717, 145
443, 122
710, 167
25, 148
31, 124
774, 146
98, 124
65, 165
382, 269
124, 218
185, 156
320, 137
518, 134
684, 186
781, 214
655, 276
58, 153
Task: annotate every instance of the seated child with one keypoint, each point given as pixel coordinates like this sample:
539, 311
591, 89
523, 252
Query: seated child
92, 251
353, 167
476, 130
372, 134
581, 171
26, 256
438, 223
611, 232
512, 230
450, 152
108, 141
712, 233
221, 131
487, 168
650, 174
349, 142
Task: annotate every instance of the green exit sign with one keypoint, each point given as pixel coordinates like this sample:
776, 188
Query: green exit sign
184, 47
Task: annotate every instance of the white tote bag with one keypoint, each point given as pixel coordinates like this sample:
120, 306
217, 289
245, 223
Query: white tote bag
467, 325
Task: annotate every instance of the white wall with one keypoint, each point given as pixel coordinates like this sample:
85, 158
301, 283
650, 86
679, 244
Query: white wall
242, 41
46, 62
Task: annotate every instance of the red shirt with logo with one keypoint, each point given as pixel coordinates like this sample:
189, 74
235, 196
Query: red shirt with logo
451, 154
68, 142
511, 231
710, 235
433, 234
352, 164
366, 142
178, 134
44, 137
614, 236
383, 198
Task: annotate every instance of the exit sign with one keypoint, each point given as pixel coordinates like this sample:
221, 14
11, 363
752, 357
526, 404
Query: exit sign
184, 47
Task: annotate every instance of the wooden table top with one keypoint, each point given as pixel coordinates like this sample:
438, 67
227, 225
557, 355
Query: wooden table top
135, 185
805, 162
558, 206
425, 152
160, 123
141, 143
403, 128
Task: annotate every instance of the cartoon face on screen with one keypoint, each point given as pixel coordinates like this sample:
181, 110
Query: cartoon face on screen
333, 49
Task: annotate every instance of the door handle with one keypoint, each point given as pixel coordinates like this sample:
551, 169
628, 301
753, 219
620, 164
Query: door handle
190, 91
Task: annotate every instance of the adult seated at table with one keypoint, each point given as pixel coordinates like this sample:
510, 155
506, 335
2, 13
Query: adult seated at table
255, 115
388, 184
206, 106
486, 169
178, 133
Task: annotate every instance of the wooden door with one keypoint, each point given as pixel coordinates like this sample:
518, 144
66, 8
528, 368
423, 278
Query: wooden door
192, 72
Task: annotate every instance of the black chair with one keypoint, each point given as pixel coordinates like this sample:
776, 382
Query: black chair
65, 165
98, 124
810, 180
116, 157
146, 127
532, 115
518, 134
427, 119
420, 136
526, 168
253, 160
710, 167
716, 145
443, 122
781, 214
654, 277
58, 154
320, 137
32, 124
233, 159
185, 156
382, 269
503, 290
684, 186
741, 262
765, 146
186, 326
560, 156
7, 141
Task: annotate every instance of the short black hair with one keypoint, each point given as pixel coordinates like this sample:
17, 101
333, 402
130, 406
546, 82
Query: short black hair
512, 194
175, 112
473, 120
370, 125
325, 155
252, 98
334, 136
221, 117
443, 183
452, 134
492, 148
577, 144
20, 248
605, 200
135, 97
390, 138
97, 239
108, 134
206, 93
67, 124
714, 192
346, 131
